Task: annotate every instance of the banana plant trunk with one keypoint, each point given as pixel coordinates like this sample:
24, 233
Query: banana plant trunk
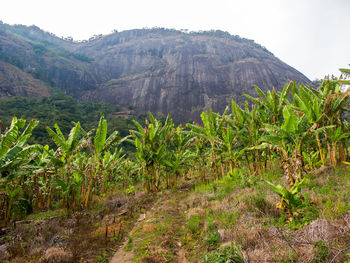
341, 151
297, 165
87, 196
287, 170
319, 144
7, 212
147, 180
222, 166
230, 160
330, 154
334, 153
213, 161
259, 162
248, 165
88, 192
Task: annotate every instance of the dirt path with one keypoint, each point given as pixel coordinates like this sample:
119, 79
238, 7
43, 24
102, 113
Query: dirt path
122, 255
181, 256
155, 236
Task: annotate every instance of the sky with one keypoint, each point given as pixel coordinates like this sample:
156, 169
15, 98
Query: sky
312, 36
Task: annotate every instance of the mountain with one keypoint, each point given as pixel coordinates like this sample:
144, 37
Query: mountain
161, 70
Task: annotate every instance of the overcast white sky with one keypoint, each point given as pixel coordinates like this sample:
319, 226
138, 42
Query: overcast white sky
311, 35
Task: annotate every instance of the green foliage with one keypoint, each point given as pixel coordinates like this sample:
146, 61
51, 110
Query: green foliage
129, 245
194, 223
213, 236
226, 254
277, 129
291, 199
312, 160
63, 110
257, 202
14, 152
39, 49
238, 178
104, 258
101, 134
130, 190
15, 163
151, 145
46, 214
227, 219
296, 210
322, 251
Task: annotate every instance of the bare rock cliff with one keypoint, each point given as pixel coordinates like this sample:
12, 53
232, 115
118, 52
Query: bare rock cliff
164, 71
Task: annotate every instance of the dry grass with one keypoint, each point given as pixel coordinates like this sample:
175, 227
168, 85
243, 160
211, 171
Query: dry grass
242, 213
82, 233
57, 255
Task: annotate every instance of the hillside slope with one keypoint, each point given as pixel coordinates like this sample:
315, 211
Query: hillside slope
161, 70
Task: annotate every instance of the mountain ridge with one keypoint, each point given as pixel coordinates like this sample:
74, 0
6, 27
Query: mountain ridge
162, 70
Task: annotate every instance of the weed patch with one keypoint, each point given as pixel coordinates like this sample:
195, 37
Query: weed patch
226, 254
194, 224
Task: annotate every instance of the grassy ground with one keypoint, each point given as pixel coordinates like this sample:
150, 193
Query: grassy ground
234, 219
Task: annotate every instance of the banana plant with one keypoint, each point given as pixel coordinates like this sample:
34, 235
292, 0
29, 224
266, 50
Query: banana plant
67, 149
178, 155
47, 165
15, 160
199, 151
100, 145
247, 125
307, 102
213, 124
323, 107
332, 99
151, 144
272, 102
114, 164
288, 139
335, 137
335, 104
312, 160
346, 73
72, 188
291, 200
229, 138
14, 151
11, 191
130, 171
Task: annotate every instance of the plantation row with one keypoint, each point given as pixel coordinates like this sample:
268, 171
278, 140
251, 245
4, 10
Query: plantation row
301, 128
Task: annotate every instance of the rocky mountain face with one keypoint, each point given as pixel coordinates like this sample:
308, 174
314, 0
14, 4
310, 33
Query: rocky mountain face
164, 71
14, 82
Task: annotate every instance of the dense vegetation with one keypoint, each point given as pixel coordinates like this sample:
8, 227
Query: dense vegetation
63, 110
301, 129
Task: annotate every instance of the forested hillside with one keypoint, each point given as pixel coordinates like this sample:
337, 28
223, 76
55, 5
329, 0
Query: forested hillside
63, 110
